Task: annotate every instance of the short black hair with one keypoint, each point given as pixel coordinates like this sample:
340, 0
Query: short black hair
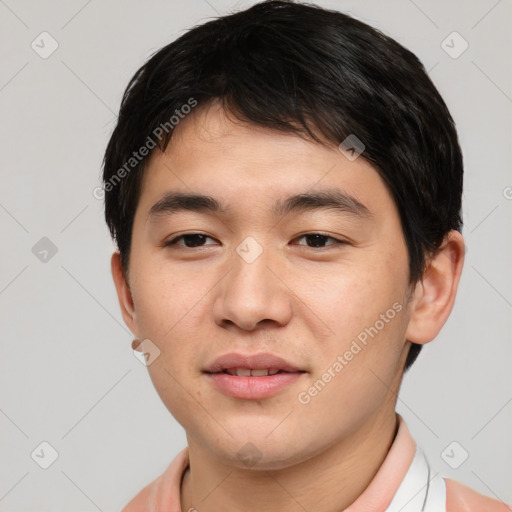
303, 69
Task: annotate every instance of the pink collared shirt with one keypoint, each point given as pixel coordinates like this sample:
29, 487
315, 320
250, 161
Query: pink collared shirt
404, 482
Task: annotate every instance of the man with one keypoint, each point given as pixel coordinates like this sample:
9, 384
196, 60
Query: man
284, 186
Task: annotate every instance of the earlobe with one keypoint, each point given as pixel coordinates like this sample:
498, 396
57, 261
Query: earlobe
124, 294
435, 293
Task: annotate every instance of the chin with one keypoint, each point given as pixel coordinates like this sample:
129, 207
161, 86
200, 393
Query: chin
259, 451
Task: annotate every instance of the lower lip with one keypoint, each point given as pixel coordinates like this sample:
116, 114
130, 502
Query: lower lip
252, 388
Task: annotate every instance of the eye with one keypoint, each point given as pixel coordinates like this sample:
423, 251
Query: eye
190, 240
313, 240
318, 240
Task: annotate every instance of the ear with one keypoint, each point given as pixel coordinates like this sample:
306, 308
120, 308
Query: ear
124, 294
434, 294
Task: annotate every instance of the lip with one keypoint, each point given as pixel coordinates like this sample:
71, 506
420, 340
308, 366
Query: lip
252, 361
252, 388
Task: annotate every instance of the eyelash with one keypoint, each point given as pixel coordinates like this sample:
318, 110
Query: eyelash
337, 242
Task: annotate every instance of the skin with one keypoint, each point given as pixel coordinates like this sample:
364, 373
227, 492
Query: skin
303, 303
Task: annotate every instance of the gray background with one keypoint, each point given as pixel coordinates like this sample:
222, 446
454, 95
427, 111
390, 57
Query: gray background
68, 376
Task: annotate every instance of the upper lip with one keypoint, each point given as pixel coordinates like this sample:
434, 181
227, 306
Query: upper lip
259, 361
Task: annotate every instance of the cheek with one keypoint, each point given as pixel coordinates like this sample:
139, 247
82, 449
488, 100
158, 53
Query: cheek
173, 306
165, 298
364, 311
358, 365
348, 300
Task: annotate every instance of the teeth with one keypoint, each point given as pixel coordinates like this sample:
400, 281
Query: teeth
246, 372
259, 373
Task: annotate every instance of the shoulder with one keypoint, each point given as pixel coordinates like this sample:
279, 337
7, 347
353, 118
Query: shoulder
461, 498
162, 490
140, 503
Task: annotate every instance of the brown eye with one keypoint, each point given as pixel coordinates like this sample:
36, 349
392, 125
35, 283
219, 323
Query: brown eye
318, 240
190, 240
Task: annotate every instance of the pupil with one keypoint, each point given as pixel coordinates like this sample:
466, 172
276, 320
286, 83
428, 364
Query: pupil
318, 239
197, 238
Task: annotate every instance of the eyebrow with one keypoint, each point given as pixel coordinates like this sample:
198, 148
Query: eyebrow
329, 199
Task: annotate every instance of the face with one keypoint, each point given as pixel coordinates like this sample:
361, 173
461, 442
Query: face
322, 284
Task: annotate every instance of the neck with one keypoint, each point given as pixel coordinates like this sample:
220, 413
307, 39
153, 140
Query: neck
328, 482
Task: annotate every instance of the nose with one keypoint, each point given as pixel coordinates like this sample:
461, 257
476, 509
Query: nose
253, 293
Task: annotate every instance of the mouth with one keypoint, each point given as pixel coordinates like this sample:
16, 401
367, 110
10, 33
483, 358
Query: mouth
255, 365
247, 372
252, 377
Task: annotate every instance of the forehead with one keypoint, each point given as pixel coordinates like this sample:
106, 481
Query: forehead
214, 155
